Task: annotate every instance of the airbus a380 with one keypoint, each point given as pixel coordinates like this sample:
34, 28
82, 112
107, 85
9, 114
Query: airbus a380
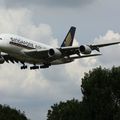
18, 49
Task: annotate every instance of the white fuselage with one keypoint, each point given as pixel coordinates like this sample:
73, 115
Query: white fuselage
15, 45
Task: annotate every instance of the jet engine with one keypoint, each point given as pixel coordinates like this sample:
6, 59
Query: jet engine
84, 49
2, 60
54, 53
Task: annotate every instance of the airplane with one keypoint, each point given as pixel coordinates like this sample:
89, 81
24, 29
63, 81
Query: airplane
17, 49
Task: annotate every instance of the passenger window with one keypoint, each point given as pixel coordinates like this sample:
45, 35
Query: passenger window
0, 38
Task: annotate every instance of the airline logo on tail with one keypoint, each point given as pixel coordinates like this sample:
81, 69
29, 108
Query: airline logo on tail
68, 41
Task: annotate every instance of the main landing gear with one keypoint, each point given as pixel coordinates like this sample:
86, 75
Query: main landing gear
23, 67
42, 66
34, 67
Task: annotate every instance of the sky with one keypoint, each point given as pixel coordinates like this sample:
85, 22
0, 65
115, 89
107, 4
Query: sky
48, 21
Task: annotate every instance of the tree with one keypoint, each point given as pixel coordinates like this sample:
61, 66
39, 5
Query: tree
7, 113
69, 110
101, 93
101, 98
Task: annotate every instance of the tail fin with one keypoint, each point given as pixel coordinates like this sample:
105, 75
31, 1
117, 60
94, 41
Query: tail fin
68, 41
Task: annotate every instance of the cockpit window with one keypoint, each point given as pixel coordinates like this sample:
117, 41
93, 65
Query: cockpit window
0, 38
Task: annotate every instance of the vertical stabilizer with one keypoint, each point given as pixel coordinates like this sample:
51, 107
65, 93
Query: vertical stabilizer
68, 41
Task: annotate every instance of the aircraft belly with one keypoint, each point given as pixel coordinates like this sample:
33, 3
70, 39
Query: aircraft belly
28, 59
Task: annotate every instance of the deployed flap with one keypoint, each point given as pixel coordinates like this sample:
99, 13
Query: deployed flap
84, 56
8, 58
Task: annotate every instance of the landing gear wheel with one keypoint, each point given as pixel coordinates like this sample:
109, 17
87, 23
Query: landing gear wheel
23, 67
34, 67
45, 66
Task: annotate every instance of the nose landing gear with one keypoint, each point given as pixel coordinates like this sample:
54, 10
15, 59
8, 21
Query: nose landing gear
34, 67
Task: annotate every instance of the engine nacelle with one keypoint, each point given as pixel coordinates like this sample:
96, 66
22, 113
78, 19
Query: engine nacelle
54, 53
84, 49
1, 60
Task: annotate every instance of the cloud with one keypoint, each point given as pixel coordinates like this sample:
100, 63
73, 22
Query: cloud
50, 3
110, 36
20, 22
111, 54
35, 91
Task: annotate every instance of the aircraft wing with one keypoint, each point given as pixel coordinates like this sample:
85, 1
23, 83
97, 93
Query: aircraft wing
107, 44
77, 50
69, 50
66, 51
96, 47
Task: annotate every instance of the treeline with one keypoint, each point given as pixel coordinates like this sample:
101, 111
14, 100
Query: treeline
7, 113
101, 98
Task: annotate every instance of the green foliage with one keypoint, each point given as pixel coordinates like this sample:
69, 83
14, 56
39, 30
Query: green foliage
69, 110
6, 113
101, 98
101, 93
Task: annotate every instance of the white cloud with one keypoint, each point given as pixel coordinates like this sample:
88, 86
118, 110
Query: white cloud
110, 36
45, 87
18, 86
111, 54
20, 22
